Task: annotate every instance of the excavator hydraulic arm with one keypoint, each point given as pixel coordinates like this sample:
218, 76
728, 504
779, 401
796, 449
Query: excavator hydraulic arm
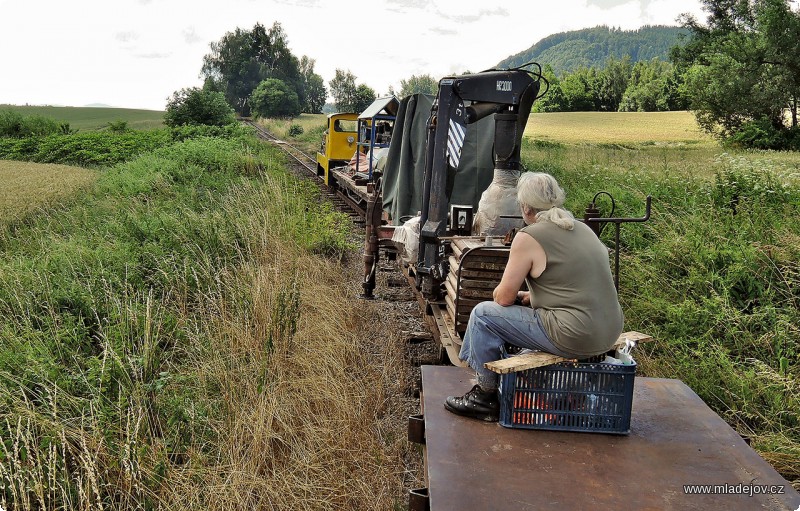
463, 100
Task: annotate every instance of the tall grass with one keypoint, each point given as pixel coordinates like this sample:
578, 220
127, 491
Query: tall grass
173, 340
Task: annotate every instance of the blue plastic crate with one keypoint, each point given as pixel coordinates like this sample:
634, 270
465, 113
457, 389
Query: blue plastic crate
568, 396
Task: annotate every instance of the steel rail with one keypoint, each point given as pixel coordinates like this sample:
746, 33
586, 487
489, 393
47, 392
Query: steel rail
339, 199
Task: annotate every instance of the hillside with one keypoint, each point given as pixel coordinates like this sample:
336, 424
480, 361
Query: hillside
590, 47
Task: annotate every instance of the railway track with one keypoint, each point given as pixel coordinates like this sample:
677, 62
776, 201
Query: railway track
305, 165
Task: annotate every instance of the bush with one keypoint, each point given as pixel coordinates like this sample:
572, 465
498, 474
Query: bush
762, 134
15, 125
186, 132
198, 106
108, 147
118, 126
757, 135
295, 130
274, 98
87, 149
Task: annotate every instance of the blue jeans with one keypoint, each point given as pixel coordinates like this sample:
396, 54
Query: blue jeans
491, 326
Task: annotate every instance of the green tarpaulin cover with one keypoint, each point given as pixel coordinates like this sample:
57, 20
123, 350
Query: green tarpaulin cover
403, 174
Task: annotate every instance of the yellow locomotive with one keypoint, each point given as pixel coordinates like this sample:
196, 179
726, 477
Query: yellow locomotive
339, 143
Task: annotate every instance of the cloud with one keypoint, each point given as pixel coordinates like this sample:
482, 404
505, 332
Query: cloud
442, 31
190, 35
126, 37
403, 5
153, 56
607, 4
472, 18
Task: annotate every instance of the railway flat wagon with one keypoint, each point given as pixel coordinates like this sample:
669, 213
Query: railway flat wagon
679, 455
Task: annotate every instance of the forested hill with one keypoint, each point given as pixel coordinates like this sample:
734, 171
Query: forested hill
591, 47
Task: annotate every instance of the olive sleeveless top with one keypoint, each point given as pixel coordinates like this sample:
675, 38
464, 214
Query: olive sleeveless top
575, 295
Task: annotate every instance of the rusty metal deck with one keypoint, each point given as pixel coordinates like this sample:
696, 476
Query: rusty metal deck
675, 440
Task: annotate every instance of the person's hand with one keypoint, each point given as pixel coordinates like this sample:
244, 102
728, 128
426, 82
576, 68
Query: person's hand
523, 298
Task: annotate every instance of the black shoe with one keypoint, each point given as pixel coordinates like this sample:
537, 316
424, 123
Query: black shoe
477, 403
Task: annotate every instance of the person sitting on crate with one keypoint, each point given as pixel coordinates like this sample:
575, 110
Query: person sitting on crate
571, 309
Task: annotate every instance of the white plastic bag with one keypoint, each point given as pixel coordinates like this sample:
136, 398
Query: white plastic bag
622, 355
406, 238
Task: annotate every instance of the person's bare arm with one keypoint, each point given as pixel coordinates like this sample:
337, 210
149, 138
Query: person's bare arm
527, 257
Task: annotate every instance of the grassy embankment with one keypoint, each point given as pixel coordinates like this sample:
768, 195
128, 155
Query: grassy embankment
90, 118
714, 275
177, 336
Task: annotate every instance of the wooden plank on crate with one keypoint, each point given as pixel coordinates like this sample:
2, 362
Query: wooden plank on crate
522, 362
632, 336
539, 359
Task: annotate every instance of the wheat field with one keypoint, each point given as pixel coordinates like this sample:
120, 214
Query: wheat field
26, 186
673, 128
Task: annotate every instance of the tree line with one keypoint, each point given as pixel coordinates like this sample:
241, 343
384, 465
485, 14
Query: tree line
742, 71
620, 85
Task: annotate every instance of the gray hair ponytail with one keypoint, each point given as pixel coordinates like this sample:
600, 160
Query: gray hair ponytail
541, 192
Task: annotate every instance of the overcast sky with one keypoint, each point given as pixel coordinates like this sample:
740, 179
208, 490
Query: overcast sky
136, 53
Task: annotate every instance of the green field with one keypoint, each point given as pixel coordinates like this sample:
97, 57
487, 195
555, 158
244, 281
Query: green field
309, 140
89, 118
